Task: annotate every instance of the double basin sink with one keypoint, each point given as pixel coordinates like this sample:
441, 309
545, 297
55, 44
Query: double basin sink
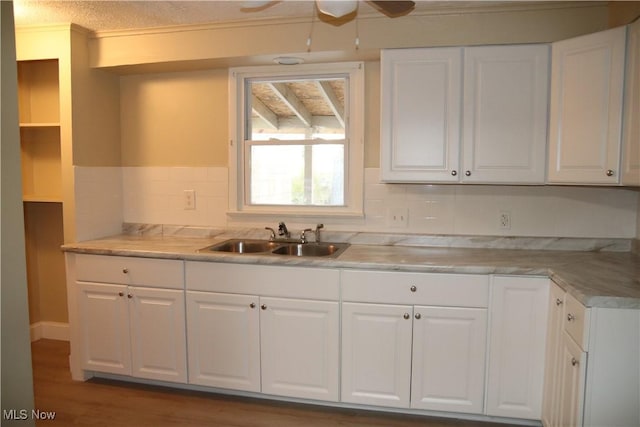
274, 247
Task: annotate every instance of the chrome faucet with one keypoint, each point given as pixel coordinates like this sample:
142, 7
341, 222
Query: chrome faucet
316, 232
272, 237
303, 236
283, 231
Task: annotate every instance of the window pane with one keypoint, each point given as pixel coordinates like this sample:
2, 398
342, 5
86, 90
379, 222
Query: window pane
296, 109
297, 174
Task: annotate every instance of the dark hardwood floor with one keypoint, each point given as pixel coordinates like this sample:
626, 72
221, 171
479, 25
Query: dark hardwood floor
100, 402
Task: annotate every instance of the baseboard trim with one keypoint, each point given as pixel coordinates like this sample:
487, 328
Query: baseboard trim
50, 330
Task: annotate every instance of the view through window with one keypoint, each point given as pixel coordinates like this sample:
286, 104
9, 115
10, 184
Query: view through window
296, 140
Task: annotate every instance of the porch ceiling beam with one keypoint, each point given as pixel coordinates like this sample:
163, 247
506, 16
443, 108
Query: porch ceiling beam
292, 101
332, 100
264, 112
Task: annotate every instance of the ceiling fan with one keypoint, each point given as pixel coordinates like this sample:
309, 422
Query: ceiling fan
341, 8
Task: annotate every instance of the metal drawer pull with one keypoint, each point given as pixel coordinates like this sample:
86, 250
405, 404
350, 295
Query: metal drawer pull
413, 288
454, 173
129, 296
468, 173
252, 305
406, 316
558, 301
574, 362
571, 317
125, 270
120, 294
610, 172
418, 316
263, 306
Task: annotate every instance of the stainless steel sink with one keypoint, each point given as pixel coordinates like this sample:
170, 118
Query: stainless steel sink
242, 246
268, 247
311, 249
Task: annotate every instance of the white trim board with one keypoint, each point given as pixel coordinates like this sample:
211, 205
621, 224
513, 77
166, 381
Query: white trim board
49, 330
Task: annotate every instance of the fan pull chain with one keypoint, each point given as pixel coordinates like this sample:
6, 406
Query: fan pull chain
313, 20
357, 34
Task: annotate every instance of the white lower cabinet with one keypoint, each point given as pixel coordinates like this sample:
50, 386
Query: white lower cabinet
300, 342
262, 342
131, 317
517, 332
550, 403
414, 355
459, 343
593, 368
376, 354
224, 340
105, 335
448, 359
571, 373
133, 330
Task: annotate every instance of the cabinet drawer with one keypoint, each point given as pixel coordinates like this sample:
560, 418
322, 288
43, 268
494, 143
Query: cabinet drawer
458, 290
159, 273
274, 281
575, 321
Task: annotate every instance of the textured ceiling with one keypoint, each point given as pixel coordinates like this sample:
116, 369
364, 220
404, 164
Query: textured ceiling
117, 15
126, 15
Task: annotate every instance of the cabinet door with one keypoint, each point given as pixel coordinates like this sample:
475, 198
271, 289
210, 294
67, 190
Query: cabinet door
300, 343
104, 328
420, 114
449, 347
552, 358
517, 346
376, 354
573, 362
158, 340
223, 332
587, 82
505, 113
631, 131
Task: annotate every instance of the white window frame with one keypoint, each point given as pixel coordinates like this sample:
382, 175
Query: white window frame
354, 153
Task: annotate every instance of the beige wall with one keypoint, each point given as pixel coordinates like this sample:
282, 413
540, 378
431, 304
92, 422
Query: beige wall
175, 119
96, 114
180, 118
45, 263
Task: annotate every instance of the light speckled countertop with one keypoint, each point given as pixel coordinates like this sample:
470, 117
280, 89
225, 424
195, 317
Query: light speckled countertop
597, 279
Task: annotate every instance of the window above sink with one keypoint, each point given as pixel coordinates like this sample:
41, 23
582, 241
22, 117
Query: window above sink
297, 139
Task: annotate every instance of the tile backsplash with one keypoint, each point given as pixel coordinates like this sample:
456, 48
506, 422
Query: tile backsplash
107, 197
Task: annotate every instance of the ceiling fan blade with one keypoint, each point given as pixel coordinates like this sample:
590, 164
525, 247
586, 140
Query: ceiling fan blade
256, 5
393, 8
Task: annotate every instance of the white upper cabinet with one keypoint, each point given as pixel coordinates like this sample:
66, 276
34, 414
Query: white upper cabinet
421, 108
587, 81
476, 114
631, 123
506, 90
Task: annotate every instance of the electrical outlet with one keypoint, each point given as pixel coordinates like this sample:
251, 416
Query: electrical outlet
504, 220
397, 217
189, 199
